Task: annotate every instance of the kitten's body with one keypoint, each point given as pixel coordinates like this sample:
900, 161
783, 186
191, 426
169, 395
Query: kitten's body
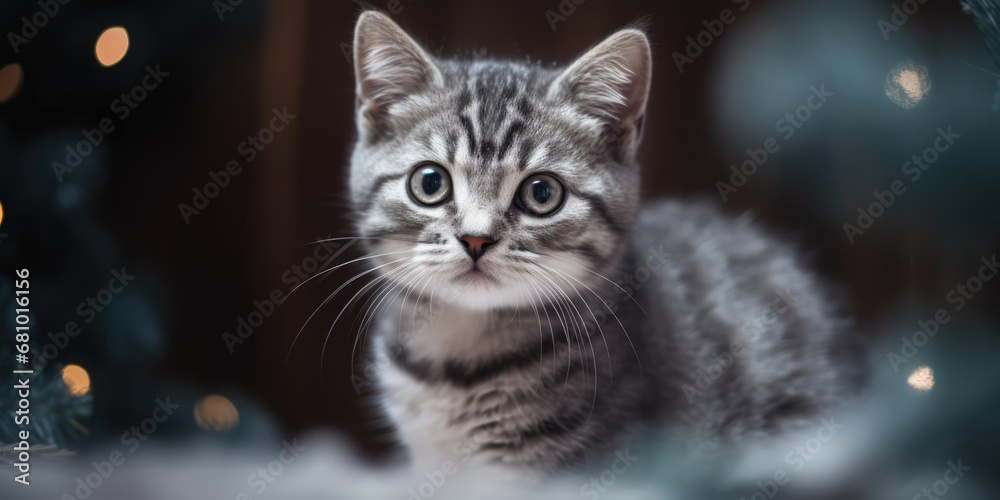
733, 338
512, 357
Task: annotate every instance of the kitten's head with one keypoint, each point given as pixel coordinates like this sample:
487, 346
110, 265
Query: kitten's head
503, 180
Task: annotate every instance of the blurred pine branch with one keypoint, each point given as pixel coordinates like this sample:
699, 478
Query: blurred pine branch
54, 413
987, 14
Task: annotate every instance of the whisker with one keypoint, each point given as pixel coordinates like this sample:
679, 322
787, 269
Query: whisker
638, 361
365, 289
387, 279
329, 298
552, 300
564, 276
406, 298
984, 70
420, 295
557, 273
580, 334
355, 238
391, 284
409, 270
338, 266
330, 331
599, 275
541, 336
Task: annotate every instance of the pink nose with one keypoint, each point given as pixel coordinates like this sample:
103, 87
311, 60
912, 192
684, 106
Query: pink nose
475, 246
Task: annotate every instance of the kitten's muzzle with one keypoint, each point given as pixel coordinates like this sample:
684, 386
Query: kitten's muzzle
476, 246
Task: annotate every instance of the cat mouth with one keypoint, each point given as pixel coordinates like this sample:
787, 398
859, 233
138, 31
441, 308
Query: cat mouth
475, 276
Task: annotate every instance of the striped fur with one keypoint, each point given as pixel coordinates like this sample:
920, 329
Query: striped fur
547, 357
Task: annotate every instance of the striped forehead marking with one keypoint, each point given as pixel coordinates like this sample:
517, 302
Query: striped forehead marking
492, 109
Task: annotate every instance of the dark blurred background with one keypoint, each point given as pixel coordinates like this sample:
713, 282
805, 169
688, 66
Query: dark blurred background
230, 66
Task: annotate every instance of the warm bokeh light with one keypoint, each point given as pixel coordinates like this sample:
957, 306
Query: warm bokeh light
921, 379
11, 78
76, 379
111, 46
1, 214
216, 413
907, 84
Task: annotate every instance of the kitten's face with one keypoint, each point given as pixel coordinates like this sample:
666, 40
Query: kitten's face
508, 183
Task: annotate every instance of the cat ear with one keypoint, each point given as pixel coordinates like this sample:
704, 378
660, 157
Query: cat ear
611, 80
389, 66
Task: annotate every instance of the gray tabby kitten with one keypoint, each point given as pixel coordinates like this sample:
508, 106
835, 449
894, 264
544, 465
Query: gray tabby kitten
535, 312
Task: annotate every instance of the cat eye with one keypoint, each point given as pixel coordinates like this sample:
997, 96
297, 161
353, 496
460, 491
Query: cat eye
430, 184
541, 194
